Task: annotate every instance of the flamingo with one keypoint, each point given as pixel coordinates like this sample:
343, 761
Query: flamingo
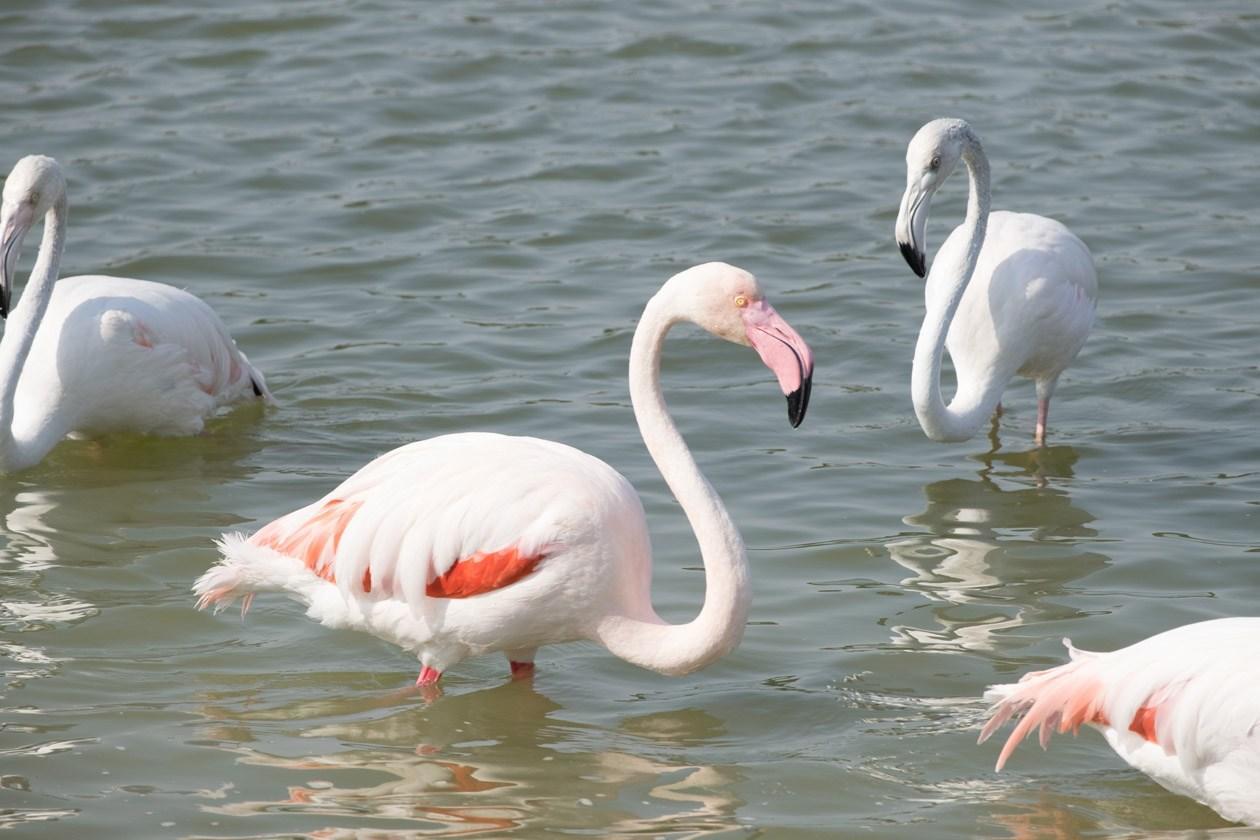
474, 543
1181, 706
1009, 293
96, 354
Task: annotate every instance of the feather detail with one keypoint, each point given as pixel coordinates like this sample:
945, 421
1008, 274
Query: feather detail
481, 573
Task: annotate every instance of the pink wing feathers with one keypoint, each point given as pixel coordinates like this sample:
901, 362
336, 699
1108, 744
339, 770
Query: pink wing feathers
1194, 692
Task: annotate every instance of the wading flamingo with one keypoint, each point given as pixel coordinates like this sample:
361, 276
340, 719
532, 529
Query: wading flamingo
473, 543
97, 354
1008, 294
1182, 706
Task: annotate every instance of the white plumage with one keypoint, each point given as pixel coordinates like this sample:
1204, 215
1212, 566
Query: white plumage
96, 354
1009, 294
1182, 706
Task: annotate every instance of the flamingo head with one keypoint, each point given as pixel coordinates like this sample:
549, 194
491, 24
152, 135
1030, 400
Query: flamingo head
930, 158
32, 189
727, 302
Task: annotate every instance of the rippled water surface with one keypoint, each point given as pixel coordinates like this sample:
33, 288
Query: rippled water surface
419, 218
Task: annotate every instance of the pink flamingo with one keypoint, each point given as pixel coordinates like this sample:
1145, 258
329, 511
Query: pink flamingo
1182, 706
474, 543
97, 354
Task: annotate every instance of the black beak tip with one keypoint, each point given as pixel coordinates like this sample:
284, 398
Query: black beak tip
798, 402
915, 258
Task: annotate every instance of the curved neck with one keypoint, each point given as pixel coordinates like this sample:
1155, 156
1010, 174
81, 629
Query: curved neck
648, 641
19, 334
974, 402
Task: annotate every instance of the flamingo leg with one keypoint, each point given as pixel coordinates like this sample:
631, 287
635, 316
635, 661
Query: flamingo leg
427, 682
521, 662
1043, 411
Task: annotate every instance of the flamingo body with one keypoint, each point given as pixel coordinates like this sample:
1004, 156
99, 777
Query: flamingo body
1181, 706
463, 506
1029, 306
96, 354
113, 354
473, 543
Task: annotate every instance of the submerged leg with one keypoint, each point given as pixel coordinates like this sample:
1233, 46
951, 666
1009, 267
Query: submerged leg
1043, 411
1045, 390
522, 662
427, 682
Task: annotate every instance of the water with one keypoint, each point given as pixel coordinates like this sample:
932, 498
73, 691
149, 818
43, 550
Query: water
424, 218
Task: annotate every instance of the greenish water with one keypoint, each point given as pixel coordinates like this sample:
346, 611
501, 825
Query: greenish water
424, 218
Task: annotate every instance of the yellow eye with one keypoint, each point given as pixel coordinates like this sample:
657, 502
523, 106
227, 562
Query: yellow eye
741, 301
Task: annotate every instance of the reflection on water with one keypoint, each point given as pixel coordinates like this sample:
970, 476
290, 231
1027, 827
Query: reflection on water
994, 552
1060, 816
92, 503
484, 762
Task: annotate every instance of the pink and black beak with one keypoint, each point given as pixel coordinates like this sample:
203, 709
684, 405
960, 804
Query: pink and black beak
784, 352
912, 226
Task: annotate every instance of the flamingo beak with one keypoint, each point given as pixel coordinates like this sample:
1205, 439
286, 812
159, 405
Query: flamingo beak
784, 352
911, 227
13, 227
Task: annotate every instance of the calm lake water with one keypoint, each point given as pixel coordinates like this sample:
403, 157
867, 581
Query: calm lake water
419, 218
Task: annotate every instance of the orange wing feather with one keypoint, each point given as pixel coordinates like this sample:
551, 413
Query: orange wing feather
481, 573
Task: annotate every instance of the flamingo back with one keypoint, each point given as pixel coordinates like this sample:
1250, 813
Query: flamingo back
115, 354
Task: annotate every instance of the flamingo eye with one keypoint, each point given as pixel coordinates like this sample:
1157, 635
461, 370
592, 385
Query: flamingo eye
34, 199
741, 301
936, 162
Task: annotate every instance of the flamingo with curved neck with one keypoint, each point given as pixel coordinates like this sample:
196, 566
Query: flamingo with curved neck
97, 354
1009, 293
472, 543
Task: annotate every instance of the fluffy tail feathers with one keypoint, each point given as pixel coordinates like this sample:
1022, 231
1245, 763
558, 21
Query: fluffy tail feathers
1059, 699
246, 569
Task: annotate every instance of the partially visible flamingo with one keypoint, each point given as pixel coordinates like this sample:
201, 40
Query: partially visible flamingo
473, 543
1009, 293
1182, 706
97, 354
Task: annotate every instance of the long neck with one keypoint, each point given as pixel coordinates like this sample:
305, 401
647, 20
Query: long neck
647, 640
975, 402
19, 334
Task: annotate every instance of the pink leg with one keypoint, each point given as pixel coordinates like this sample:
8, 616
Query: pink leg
427, 682
1043, 411
522, 670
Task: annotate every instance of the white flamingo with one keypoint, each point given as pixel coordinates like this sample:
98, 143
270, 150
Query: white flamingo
1182, 706
473, 543
96, 354
1009, 293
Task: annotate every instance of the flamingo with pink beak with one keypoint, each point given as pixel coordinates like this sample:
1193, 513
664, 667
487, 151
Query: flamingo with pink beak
474, 543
